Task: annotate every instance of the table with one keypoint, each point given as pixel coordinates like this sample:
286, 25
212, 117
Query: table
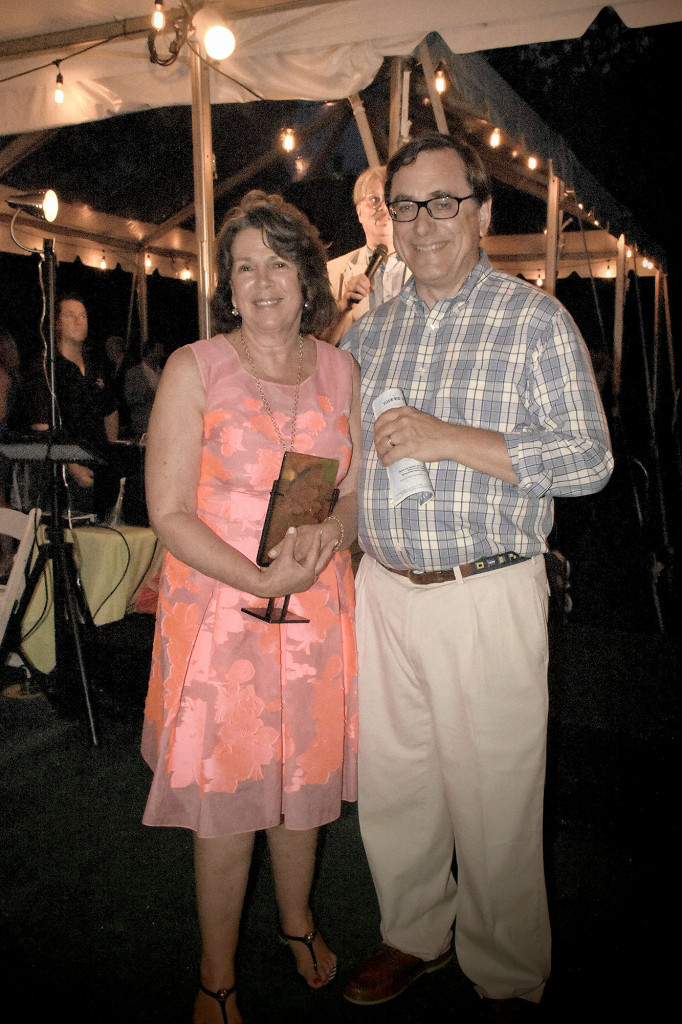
114, 564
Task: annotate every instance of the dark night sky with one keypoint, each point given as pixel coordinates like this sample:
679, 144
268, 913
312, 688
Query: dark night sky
614, 96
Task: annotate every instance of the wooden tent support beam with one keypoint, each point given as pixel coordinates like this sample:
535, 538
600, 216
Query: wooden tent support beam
434, 95
394, 108
204, 163
555, 188
365, 131
657, 336
142, 307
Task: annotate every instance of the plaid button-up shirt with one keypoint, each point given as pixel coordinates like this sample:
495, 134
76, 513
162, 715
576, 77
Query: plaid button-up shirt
504, 356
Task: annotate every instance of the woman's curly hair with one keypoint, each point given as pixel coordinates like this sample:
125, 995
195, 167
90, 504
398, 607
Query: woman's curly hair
289, 233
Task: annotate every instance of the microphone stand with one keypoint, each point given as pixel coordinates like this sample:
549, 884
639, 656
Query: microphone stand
71, 611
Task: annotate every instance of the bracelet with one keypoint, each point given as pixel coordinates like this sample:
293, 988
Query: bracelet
340, 540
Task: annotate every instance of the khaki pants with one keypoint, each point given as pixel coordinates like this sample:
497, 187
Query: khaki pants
453, 725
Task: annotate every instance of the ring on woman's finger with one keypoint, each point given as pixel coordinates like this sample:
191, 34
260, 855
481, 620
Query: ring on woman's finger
391, 442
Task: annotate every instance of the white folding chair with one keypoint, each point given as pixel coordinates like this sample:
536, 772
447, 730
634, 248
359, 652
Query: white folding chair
22, 526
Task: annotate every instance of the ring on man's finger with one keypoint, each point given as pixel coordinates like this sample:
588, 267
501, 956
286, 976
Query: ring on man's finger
391, 442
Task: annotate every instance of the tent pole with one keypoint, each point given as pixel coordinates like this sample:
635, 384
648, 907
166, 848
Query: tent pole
142, 302
618, 314
434, 95
394, 110
657, 336
554, 189
364, 129
202, 147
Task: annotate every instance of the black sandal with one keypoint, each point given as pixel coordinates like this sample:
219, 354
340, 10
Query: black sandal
307, 940
221, 996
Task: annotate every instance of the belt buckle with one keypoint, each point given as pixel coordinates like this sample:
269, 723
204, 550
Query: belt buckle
411, 573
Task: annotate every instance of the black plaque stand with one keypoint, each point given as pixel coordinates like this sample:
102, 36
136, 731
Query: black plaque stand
274, 614
71, 611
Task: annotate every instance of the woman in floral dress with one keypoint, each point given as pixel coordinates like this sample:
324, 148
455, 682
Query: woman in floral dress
252, 725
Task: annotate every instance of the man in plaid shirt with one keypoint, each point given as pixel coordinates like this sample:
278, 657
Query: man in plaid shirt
502, 407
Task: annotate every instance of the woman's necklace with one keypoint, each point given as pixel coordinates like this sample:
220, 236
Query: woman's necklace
264, 399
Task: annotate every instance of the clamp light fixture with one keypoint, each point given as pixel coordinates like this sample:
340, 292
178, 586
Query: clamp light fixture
39, 204
43, 205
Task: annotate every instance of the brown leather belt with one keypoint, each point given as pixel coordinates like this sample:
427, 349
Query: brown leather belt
468, 569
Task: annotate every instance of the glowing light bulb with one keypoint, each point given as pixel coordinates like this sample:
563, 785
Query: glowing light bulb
50, 205
289, 140
495, 138
147, 261
532, 162
59, 88
539, 281
103, 263
158, 17
440, 83
186, 274
218, 40
629, 254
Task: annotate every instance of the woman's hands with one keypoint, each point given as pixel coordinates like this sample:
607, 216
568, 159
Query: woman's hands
297, 562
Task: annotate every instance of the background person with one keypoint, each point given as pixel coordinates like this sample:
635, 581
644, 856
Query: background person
354, 293
503, 408
250, 725
87, 407
139, 389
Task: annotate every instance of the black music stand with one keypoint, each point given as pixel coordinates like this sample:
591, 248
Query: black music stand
71, 611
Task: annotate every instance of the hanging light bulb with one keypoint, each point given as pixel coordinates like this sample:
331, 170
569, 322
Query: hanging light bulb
629, 254
495, 138
103, 262
147, 261
539, 280
158, 17
218, 40
289, 140
186, 273
609, 272
440, 83
532, 162
59, 87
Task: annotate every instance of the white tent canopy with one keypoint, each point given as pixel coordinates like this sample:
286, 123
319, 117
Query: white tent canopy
285, 50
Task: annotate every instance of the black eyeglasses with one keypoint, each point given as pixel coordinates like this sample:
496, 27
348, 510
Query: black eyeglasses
440, 208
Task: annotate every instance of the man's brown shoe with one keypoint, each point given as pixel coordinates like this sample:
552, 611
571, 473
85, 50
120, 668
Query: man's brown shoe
386, 973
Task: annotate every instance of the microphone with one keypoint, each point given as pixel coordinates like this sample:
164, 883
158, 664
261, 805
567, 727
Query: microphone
376, 259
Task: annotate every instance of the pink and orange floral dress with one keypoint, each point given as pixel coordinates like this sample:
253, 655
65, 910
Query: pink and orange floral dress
250, 724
